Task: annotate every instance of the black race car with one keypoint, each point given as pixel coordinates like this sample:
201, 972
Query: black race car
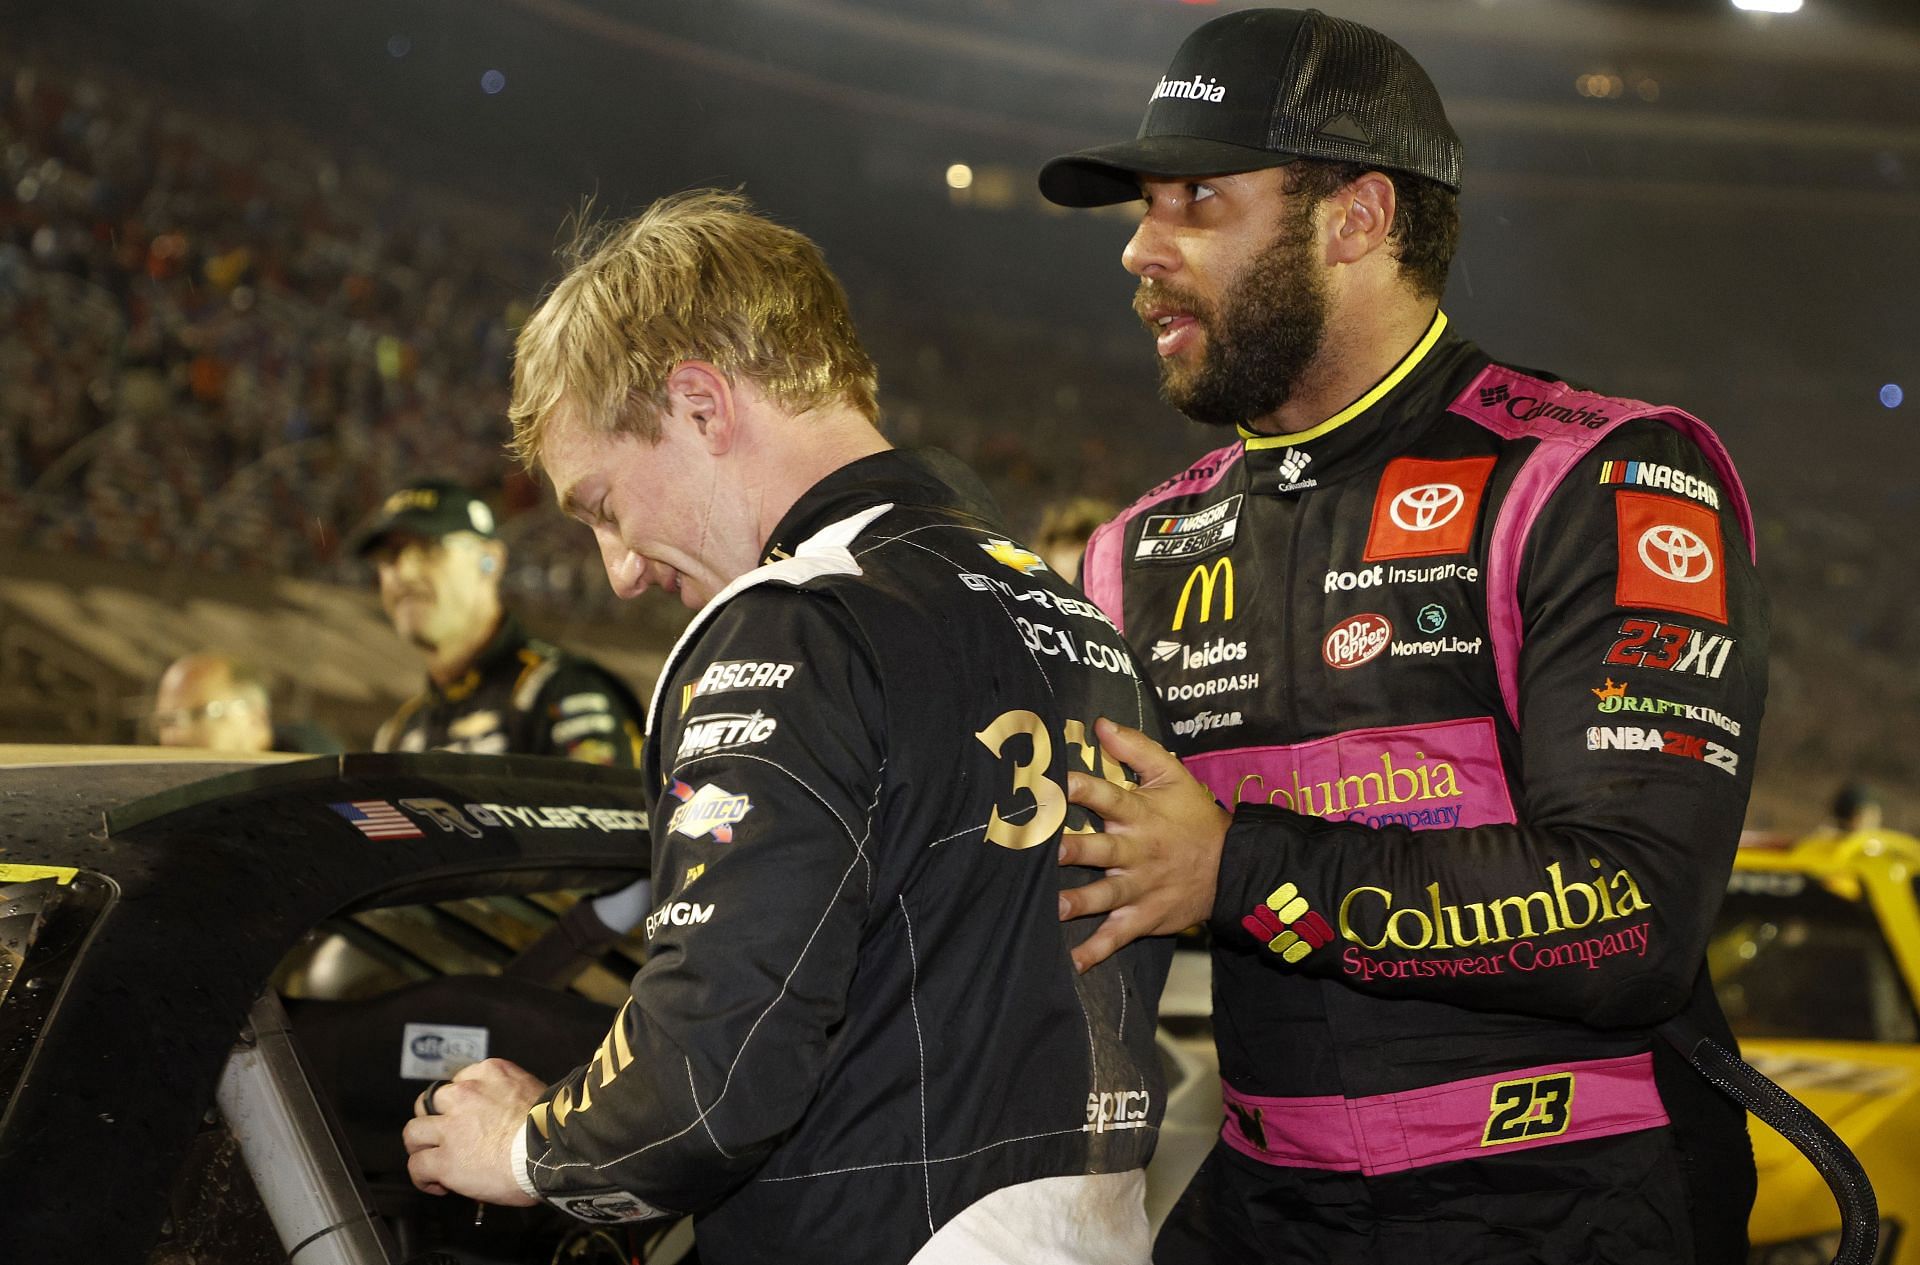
222, 984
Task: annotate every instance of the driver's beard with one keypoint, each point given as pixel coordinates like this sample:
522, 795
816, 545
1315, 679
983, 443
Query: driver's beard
1260, 339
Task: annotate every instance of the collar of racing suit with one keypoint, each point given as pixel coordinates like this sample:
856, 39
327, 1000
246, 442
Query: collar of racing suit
1368, 431
905, 477
501, 648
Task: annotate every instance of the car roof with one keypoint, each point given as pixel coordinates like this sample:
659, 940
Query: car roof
53, 798
185, 882
34, 754
1830, 850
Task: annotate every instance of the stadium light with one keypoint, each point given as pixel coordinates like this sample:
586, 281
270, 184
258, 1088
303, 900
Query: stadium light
1768, 6
959, 176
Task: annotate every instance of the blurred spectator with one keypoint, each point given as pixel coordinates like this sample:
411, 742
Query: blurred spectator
211, 701
1064, 529
1856, 808
221, 339
491, 689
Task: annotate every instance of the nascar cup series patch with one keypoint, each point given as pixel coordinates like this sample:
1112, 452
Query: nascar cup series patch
1670, 556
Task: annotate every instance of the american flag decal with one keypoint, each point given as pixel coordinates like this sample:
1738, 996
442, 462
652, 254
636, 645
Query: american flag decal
377, 819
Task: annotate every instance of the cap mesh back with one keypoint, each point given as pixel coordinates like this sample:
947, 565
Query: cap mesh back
1346, 80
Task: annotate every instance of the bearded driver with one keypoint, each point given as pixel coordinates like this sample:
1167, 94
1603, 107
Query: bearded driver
859, 1034
491, 688
1475, 657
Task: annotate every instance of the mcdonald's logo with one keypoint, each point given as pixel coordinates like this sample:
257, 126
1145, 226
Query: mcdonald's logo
1209, 576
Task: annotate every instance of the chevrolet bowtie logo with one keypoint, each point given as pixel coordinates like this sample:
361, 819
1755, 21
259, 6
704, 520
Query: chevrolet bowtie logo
1008, 554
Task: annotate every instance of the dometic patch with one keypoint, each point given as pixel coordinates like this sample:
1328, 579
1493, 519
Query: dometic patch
704, 735
1426, 508
1670, 556
435, 1051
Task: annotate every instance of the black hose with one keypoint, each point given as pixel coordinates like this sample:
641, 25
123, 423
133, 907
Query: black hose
1837, 1165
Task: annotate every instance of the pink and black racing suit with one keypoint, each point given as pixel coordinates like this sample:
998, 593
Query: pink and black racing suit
1479, 664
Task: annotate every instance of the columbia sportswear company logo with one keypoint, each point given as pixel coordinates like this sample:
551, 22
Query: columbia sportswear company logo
1287, 925
1194, 89
1490, 396
1292, 466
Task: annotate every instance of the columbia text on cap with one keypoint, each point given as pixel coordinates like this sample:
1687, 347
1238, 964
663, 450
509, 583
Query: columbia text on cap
1260, 88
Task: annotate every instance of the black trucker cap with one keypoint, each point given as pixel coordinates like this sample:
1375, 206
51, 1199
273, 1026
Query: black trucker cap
1260, 88
430, 508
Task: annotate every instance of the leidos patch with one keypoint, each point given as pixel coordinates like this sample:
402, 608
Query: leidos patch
1424, 509
1670, 556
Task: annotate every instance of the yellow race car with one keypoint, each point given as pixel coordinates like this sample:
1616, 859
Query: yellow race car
1816, 959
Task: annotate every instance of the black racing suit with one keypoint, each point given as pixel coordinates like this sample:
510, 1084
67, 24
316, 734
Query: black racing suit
859, 1034
1488, 782
522, 696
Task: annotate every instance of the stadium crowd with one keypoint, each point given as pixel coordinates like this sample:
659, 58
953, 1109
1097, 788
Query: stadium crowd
223, 339
221, 342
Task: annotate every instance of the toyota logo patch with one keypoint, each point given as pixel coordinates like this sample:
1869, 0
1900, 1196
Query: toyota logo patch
1676, 554
1426, 507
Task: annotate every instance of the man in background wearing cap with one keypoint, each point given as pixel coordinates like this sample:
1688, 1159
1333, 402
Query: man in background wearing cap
491, 688
1476, 658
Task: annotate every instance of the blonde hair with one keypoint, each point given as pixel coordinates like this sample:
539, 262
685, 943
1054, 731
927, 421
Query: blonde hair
696, 276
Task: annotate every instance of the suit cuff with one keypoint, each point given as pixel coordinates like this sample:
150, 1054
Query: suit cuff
517, 1157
